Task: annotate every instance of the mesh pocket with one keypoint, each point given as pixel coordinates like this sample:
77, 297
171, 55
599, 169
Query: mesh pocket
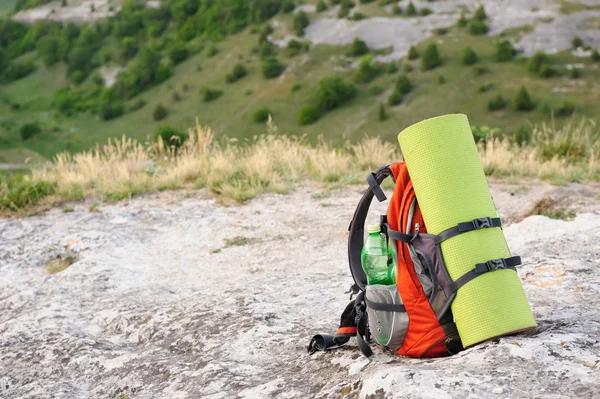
387, 327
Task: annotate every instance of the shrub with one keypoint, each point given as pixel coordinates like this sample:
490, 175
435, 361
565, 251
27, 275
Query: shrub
294, 47
382, 115
178, 52
565, 108
536, 62
431, 58
478, 27
334, 92
375, 90
504, 51
209, 94
462, 21
296, 87
469, 56
425, 11
137, 105
261, 115
480, 14
497, 103
111, 109
441, 79
366, 72
411, 9
321, 6
547, 71
267, 49
484, 87
522, 100
576, 42
479, 70
159, 113
357, 16
522, 136
407, 68
441, 31
595, 55
272, 68
358, 48
574, 73
16, 71
18, 192
238, 72
29, 130
212, 50
396, 10
391, 67
170, 136
413, 53
287, 6
403, 85
395, 98
301, 21
308, 115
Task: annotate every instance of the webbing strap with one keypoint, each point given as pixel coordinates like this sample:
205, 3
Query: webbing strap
396, 235
375, 187
475, 224
362, 336
482, 268
385, 307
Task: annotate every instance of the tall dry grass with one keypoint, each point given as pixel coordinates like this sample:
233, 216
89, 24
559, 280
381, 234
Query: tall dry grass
277, 163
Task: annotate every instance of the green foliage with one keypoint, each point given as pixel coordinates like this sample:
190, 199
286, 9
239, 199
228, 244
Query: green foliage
396, 10
537, 61
482, 133
478, 27
407, 68
479, 70
504, 51
300, 22
29, 130
296, 87
209, 94
366, 71
358, 48
267, 49
170, 136
546, 71
576, 42
382, 115
145, 71
261, 115
431, 58
497, 103
111, 109
595, 57
287, 6
480, 14
178, 52
272, 68
441, 79
16, 71
403, 85
17, 192
357, 16
469, 56
138, 104
308, 115
413, 53
159, 113
334, 92
375, 90
212, 50
574, 73
395, 98
565, 108
462, 21
522, 136
523, 101
425, 11
411, 9
129, 48
294, 47
321, 6
391, 68
238, 72
48, 48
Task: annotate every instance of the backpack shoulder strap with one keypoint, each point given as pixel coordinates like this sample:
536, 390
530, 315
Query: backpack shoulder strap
357, 225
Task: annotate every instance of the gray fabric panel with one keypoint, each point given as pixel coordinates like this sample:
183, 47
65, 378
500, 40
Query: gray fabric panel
387, 328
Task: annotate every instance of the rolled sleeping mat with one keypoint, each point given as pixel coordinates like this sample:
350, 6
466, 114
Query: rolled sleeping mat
450, 186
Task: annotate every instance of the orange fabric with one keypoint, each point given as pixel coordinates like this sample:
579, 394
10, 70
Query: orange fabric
424, 331
346, 330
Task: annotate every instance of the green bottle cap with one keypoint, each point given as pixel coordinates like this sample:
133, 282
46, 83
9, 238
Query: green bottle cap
374, 228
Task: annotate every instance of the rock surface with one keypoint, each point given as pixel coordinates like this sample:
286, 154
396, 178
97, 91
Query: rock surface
173, 296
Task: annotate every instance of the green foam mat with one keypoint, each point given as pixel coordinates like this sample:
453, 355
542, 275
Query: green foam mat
450, 186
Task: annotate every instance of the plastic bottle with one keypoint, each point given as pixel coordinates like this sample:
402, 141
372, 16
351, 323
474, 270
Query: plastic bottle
377, 259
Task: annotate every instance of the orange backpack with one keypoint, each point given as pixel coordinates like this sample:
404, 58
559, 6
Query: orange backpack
413, 317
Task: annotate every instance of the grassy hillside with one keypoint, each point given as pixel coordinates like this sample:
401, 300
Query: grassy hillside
451, 87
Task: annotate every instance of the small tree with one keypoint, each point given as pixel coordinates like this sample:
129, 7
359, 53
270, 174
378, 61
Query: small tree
261, 115
301, 21
238, 72
382, 115
462, 21
395, 98
391, 68
595, 55
480, 14
576, 42
272, 68
403, 85
358, 48
469, 56
478, 27
574, 73
308, 115
411, 9
396, 10
178, 52
425, 11
431, 58
287, 6
321, 6
170, 136
159, 113
523, 101
333, 92
209, 94
497, 103
29, 130
504, 51
413, 53
537, 61
366, 72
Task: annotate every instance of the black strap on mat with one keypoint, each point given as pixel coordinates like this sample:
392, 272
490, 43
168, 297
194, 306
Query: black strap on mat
482, 268
357, 225
475, 224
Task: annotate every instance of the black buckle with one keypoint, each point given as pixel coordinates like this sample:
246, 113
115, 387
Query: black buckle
496, 264
482, 223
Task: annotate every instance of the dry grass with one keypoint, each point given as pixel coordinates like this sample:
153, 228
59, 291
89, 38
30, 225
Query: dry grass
277, 163
59, 264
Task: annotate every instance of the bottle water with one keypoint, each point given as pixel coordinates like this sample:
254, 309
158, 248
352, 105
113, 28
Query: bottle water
377, 259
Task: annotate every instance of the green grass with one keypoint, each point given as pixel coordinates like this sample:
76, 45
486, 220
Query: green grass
6, 7
231, 114
570, 7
